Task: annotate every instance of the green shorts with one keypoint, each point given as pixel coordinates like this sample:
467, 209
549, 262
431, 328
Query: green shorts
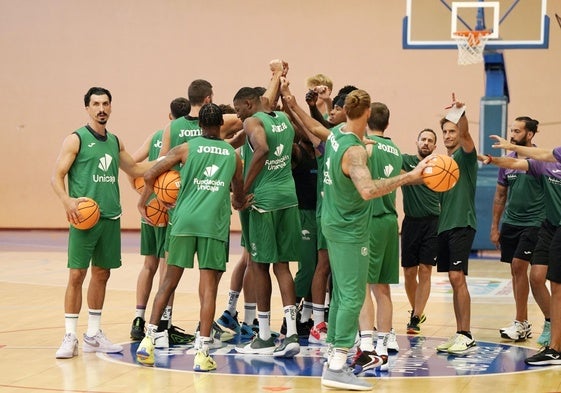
274, 236
244, 223
211, 253
384, 250
101, 245
152, 240
322, 241
308, 253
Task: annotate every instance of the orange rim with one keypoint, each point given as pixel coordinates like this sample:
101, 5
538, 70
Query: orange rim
472, 36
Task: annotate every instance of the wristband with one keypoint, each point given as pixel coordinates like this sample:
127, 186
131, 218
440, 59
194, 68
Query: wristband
490, 157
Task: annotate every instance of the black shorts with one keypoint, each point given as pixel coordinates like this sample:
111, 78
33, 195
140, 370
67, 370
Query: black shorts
419, 241
517, 242
454, 247
541, 251
554, 268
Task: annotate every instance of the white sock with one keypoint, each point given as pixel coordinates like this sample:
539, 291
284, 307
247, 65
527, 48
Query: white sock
151, 329
94, 322
367, 340
233, 297
264, 324
290, 315
140, 312
306, 311
71, 323
166, 316
382, 344
338, 359
250, 310
318, 312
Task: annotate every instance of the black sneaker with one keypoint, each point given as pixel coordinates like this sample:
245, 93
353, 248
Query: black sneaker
366, 360
413, 325
177, 336
137, 329
546, 357
302, 328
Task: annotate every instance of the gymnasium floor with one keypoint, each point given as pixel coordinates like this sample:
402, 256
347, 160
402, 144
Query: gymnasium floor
32, 283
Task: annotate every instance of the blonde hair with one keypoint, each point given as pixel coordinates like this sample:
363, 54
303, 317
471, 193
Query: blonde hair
319, 80
356, 103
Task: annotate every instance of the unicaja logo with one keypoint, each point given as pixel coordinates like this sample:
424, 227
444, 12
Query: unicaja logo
105, 162
388, 169
210, 170
279, 149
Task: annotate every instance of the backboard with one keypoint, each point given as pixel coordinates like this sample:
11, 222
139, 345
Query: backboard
514, 24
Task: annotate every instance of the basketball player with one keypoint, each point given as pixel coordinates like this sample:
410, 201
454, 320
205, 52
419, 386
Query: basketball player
348, 186
200, 226
91, 157
547, 253
457, 225
519, 201
152, 241
419, 242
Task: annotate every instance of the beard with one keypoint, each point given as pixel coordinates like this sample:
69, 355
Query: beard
521, 142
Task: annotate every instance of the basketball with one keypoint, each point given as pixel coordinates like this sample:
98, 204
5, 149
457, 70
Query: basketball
139, 184
89, 210
157, 212
443, 175
167, 186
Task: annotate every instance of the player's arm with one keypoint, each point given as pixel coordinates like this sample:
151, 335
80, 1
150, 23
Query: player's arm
269, 99
526, 151
232, 124
499, 202
65, 159
505, 162
299, 127
257, 138
166, 140
466, 141
140, 155
237, 140
175, 156
307, 122
239, 199
129, 165
354, 166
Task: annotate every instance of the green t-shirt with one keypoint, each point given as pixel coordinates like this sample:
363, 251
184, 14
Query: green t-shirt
203, 203
384, 162
273, 188
95, 171
418, 200
457, 206
345, 216
336, 130
549, 174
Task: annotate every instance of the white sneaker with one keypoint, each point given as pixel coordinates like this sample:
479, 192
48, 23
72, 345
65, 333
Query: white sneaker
462, 345
69, 347
161, 339
99, 343
393, 346
517, 331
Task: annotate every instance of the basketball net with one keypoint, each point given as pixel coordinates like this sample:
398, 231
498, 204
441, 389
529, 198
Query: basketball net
471, 45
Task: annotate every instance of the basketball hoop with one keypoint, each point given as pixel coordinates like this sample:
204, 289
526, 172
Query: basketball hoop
471, 44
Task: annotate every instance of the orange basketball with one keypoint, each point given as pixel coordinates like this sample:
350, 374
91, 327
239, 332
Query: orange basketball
167, 186
139, 184
443, 175
157, 212
89, 212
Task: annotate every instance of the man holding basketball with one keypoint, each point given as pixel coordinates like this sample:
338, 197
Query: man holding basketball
457, 225
90, 157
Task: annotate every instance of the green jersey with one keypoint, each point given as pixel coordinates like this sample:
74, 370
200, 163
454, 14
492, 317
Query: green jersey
155, 145
183, 130
384, 162
345, 215
273, 188
95, 171
321, 168
203, 203
418, 200
458, 204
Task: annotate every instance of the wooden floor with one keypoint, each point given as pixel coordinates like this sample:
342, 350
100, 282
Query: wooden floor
32, 282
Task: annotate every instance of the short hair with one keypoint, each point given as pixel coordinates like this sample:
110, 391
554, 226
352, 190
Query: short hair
180, 107
443, 121
356, 103
210, 115
260, 90
529, 123
98, 91
379, 116
346, 89
198, 90
225, 108
427, 130
247, 93
319, 80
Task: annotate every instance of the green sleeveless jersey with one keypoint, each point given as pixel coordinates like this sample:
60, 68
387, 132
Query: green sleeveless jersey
203, 203
321, 169
274, 187
525, 198
345, 216
95, 171
418, 200
155, 146
457, 206
183, 130
384, 162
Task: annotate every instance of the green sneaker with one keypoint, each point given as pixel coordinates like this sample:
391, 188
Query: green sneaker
203, 361
177, 336
545, 338
258, 346
145, 351
289, 347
